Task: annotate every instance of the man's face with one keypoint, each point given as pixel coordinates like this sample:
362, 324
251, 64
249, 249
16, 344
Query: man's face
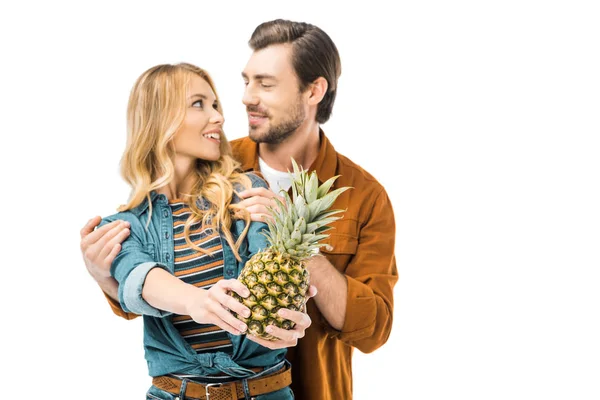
274, 104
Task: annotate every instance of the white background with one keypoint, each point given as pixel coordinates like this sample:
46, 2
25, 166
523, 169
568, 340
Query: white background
480, 118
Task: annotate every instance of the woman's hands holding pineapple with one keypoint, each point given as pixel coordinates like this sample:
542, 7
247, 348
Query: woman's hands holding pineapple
211, 306
288, 338
256, 201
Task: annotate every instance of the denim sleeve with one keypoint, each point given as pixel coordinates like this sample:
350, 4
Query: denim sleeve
130, 268
256, 240
257, 181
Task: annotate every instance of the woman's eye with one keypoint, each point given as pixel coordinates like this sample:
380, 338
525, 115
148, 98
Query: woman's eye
197, 103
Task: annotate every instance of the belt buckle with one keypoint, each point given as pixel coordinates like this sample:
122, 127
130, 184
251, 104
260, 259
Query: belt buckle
209, 385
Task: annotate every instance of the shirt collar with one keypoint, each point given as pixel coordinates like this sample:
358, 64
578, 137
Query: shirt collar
156, 198
325, 164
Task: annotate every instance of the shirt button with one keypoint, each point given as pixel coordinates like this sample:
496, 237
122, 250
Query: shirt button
167, 235
168, 257
165, 213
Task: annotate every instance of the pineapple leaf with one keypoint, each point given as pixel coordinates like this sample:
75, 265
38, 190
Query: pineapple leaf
281, 207
324, 188
288, 201
272, 229
312, 238
313, 226
296, 236
269, 240
294, 191
328, 200
323, 229
301, 208
285, 235
327, 214
310, 191
279, 218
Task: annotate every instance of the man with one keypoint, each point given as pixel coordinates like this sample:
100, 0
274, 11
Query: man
291, 82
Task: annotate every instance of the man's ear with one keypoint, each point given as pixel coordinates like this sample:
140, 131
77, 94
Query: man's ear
317, 90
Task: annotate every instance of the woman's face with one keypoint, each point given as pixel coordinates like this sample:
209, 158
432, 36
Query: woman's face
200, 135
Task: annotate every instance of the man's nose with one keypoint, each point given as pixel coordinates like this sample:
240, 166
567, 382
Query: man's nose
249, 97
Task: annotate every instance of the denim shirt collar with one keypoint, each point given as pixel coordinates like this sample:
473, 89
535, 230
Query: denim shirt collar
161, 198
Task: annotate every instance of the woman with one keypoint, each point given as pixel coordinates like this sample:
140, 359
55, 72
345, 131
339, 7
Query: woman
188, 242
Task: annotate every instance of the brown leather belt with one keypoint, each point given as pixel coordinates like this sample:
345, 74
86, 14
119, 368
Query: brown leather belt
226, 391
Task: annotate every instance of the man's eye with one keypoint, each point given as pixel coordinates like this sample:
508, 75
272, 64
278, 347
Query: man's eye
198, 103
265, 85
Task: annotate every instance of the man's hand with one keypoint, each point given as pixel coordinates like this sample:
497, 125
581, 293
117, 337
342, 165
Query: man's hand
100, 247
287, 338
256, 201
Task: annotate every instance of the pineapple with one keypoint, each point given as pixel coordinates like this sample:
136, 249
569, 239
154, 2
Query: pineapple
276, 276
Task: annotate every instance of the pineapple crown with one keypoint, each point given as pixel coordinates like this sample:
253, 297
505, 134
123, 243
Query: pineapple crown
299, 222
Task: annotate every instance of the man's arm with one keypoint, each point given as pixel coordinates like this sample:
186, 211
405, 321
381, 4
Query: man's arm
357, 306
333, 288
99, 248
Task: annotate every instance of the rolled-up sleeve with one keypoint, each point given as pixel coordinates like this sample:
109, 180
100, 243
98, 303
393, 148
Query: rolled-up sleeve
130, 268
256, 240
116, 308
371, 275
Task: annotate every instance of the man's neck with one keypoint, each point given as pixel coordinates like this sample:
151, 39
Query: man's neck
302, 145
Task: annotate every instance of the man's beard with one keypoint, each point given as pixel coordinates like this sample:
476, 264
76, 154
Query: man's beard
280, 132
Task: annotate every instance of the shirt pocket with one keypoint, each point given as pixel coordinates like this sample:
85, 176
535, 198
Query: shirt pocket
341, 245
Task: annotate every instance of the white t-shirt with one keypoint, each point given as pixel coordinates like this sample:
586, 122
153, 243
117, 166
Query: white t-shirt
277, 180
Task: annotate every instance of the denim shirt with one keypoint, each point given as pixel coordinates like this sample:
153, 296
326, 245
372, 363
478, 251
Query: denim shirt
152, 247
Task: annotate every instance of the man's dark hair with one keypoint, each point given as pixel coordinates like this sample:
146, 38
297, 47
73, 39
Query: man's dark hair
313, 55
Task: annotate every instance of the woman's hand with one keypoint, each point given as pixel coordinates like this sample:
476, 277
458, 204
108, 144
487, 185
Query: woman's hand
212, 306
287, 338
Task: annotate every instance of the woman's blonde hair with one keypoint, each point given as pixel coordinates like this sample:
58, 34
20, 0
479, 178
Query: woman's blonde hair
156, 111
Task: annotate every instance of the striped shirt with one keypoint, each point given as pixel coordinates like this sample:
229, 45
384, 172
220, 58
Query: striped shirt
201, 270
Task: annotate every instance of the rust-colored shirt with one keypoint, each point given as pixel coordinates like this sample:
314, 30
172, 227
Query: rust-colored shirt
362, 247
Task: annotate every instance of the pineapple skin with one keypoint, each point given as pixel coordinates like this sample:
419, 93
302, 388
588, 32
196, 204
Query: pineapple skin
275, 281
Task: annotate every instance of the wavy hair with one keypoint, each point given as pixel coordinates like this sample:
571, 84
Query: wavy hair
156, 111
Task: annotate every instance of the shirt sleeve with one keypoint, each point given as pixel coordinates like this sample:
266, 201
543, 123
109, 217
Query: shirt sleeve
256, 240
115, 306
371, 275
130, 268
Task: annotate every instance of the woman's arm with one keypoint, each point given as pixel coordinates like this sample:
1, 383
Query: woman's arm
147, 287
167, 292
